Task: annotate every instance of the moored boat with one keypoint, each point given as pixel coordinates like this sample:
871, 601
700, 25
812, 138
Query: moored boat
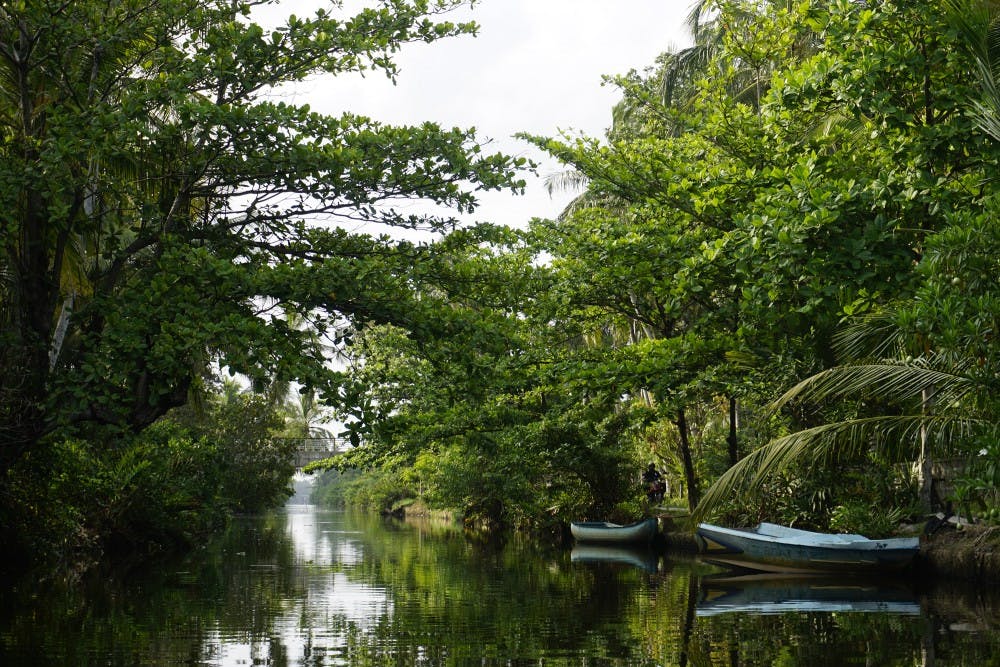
773, 548
613, 533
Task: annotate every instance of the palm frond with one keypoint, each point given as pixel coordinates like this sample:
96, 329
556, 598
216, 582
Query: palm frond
683, 66
569, 180
979, 25
987, 115
829, 443
588, 200
871, 336
972, 19
902, 383
702, 14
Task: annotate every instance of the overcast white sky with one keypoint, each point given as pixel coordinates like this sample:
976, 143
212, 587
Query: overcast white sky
536, 66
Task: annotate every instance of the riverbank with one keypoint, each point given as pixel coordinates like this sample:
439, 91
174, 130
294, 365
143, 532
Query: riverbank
969, 552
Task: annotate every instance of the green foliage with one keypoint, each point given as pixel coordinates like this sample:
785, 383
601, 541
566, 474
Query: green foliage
42, 512
155, 492
483, 439
160, 215
331, 488
730, 230
858, 517
159, 209
869, 496
976, 490
803, 164
930, 374
382, 490
162, 489
258, 465
799, 166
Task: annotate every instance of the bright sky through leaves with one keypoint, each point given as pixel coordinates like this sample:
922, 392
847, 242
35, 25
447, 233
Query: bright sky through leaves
536, 66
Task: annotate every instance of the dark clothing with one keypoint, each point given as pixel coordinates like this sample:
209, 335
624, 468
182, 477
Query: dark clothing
655, 487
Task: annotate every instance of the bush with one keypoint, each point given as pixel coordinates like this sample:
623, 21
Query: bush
73, 500
380, 490
163, 490
42, 519
259, 465
860, 517
331, 487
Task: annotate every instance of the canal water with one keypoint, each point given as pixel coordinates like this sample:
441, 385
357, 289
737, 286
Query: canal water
311, 587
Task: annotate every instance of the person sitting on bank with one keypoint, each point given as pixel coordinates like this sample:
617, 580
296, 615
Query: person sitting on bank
655, 488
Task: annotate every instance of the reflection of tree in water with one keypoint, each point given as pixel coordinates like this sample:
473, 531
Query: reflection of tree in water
456, 598
166, 614
431, 596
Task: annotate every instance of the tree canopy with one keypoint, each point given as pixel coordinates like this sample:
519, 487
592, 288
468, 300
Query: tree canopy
803, 199
161, 211
803, 164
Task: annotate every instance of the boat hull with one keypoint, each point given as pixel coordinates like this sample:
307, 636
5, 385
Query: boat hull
603, 532
780, 549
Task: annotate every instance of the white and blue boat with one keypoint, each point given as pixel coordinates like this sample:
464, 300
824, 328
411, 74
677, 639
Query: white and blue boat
773, 548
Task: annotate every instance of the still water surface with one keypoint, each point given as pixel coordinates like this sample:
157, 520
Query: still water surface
306, 586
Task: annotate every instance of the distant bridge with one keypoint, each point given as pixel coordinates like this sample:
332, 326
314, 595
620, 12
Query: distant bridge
308, 450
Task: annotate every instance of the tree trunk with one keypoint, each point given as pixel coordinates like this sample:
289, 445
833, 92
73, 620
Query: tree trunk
25, 361
734, 453
688, 461
62, 325
924, 474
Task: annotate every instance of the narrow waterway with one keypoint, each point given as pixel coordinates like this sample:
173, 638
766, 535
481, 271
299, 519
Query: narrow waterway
306, 586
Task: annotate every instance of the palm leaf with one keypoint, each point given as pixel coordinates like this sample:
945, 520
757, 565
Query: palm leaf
901, 383
568, 180
871, 336
977, 22
830, 443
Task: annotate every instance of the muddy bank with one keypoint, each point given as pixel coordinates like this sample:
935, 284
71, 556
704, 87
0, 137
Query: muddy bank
679, 541
971, 553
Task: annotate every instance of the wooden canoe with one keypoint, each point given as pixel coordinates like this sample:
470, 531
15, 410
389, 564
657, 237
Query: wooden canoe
612, 533
773, 548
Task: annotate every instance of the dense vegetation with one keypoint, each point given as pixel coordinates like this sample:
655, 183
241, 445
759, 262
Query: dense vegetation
163, 217
806, 195
803, 199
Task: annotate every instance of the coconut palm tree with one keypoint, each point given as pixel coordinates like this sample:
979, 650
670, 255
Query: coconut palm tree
716, 24
978, 22
937, 361
936, 395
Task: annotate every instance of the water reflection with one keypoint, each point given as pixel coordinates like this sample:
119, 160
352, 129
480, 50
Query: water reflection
777, 594
643, 556
308, 587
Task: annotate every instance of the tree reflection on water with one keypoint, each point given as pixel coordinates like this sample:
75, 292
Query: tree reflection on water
309, 587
